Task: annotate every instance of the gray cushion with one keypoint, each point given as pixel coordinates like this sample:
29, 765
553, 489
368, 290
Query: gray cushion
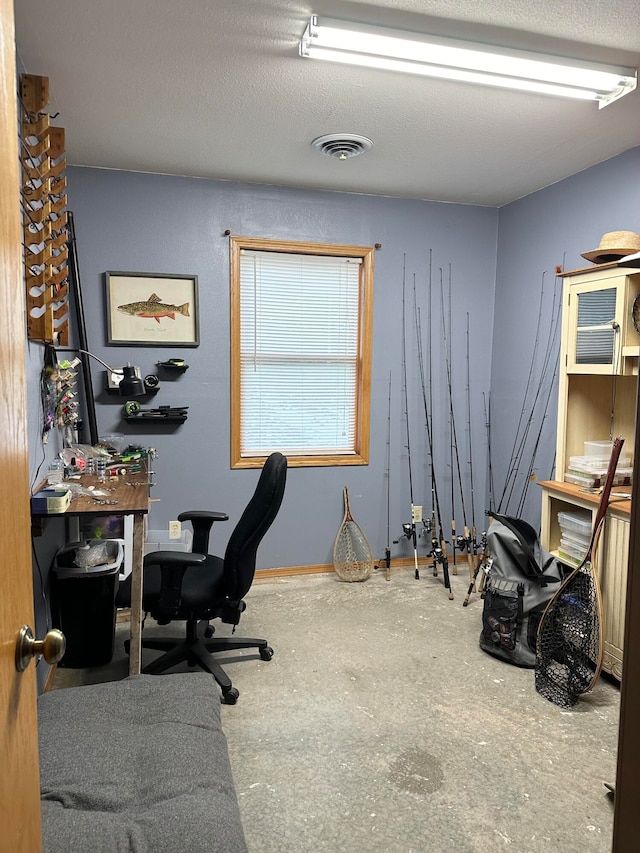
137, 765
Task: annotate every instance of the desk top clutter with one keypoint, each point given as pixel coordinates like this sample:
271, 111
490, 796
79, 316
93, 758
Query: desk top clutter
99, 479
119, 488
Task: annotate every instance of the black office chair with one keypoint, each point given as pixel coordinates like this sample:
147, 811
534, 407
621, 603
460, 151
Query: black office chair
198, 586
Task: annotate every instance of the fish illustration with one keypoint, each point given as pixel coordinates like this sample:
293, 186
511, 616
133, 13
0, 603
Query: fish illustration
153, 307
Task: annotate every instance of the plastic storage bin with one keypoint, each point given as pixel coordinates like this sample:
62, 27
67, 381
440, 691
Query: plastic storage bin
577, 522
599, 449
158, 540
576, 553
83, 604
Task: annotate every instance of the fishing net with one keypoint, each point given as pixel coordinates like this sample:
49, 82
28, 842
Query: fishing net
569, 645
569, 642
352, 557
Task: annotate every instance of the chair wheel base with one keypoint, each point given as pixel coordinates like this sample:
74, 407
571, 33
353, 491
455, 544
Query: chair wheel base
230, 697
266, 653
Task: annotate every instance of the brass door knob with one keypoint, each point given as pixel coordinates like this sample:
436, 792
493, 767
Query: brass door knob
51, 648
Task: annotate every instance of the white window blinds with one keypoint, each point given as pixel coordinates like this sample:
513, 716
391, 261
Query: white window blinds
299, 349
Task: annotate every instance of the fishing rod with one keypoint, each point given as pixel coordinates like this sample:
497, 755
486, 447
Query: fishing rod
485, 561
470, 461
520, 440
387, 550
454, 540
549, 351
474, 532
550, 390
487, 423
512, 457
550, 348
438, 543
463, 542
429, 413
534, 451
408, 529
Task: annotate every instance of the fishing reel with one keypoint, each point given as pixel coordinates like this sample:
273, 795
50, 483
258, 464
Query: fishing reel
436, 551
407, 532
427, 528
467, 543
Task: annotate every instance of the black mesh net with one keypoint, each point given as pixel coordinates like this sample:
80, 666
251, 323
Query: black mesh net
569, 647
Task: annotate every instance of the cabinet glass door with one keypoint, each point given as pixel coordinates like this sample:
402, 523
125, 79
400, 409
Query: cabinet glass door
595, 332
595, 320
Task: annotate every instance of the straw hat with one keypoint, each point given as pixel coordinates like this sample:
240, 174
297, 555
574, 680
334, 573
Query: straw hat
613, 246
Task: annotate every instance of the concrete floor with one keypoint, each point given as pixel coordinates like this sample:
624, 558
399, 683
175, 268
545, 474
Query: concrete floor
379, 725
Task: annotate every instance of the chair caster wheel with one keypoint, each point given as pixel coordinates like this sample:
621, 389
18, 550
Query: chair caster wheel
231, 696
266, 653
209, 632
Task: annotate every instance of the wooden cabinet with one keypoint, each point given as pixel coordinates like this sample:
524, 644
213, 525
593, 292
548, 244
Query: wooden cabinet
599, 353
597, 315
598, 378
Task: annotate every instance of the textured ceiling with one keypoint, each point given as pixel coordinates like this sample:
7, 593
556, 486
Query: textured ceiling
215, 88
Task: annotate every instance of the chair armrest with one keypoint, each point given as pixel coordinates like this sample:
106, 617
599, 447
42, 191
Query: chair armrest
202, 521
173, 559
173, 565
195, 514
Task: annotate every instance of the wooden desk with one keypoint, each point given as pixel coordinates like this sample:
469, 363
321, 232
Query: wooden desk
131, 500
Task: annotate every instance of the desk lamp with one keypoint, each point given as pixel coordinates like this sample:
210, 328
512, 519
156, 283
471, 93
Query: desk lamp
131, 385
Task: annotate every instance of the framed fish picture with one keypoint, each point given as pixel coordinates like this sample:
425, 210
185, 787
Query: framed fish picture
152, 309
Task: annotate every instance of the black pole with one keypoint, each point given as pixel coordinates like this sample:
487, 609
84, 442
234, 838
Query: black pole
74, 281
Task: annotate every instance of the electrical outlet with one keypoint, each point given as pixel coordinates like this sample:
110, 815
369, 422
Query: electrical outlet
175, 530
416, 514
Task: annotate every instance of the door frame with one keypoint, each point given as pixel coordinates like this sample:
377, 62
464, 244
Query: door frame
20, 815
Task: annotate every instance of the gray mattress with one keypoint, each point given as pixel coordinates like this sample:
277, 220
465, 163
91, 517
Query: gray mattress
137, 765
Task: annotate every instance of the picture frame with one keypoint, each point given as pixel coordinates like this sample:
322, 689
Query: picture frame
152, 309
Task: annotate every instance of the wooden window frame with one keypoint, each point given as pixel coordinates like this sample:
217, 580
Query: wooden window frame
365, 333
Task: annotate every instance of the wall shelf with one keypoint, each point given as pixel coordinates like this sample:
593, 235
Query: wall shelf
115, 392
156, 419
161, 415
169, 365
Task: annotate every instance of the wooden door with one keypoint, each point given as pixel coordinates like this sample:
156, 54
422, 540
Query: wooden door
20, 778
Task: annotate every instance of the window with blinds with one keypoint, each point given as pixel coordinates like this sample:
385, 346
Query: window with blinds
301, 351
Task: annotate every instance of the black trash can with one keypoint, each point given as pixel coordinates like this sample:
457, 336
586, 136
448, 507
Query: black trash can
83, 600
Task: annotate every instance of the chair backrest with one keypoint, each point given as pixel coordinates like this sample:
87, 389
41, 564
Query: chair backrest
240, 555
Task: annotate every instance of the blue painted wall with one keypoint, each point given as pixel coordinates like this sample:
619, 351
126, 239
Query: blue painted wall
151, 223
549, 228
494, 261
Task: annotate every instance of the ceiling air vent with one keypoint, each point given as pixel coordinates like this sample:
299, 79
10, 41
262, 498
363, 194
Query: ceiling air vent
342, 145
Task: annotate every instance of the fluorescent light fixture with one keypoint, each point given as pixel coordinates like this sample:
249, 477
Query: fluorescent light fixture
468, 62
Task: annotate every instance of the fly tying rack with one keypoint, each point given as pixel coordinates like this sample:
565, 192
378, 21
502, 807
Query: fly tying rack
44, 199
